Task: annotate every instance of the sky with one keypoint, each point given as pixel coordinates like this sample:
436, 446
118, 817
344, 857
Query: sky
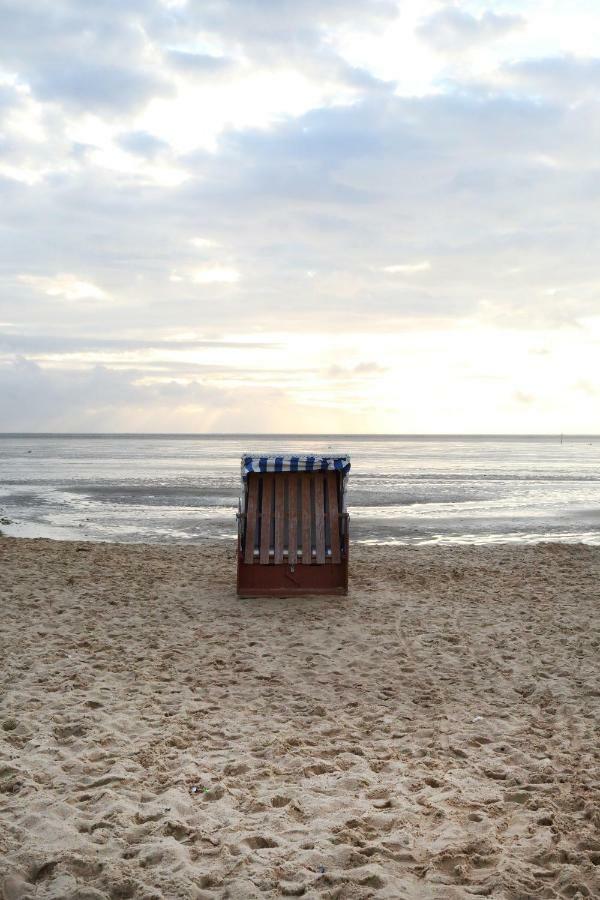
340, 216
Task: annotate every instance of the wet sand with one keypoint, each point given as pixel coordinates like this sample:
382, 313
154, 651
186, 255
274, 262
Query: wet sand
433, 735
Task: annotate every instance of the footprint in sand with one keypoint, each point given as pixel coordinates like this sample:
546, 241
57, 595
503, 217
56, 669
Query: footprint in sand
260, 842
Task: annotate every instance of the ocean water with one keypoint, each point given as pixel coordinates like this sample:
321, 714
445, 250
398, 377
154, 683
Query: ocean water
415, 490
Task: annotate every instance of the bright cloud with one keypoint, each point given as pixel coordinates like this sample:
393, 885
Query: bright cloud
67, 287
215, 275
203, 243
407, 268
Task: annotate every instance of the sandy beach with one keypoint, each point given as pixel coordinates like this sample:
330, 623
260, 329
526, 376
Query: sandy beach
433, 735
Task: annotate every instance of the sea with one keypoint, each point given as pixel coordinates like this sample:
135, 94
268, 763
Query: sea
403, 489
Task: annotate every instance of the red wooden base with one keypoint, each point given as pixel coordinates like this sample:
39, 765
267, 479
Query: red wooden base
289, 581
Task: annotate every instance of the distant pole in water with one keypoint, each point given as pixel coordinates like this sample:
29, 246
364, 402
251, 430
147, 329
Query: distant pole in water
561, 437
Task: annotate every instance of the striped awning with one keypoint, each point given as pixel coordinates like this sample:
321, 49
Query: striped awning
274, 462
288, 463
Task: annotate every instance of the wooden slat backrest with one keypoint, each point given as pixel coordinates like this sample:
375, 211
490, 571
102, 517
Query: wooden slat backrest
265, 518
279, 518
306, 517
292, 511
334, 516
251, 519
319, 482
292, 518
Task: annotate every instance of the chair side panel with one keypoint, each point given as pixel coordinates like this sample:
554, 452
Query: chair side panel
252, 513
334, 515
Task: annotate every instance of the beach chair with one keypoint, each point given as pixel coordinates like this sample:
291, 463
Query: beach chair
293, 526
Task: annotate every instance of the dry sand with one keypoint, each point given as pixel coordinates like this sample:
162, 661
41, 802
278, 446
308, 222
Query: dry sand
432, 735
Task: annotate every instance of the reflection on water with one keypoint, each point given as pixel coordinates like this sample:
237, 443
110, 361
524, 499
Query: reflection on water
402, 490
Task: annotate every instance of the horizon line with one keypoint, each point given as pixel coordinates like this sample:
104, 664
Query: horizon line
296, 434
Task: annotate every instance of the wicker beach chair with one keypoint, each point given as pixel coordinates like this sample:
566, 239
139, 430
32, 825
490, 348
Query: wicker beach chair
293, 527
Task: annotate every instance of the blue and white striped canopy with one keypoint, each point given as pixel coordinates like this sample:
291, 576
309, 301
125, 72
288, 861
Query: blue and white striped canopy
287, 463
258, 462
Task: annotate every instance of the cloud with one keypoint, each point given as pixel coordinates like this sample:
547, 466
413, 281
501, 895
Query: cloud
455, 181
24, 344
587, 387
87, 59
113, 58
201, 65
9, 97
141, 143
100, 399
358, 371
274, 34
94, 86
523, 398
281, 23
67, 287
558, 77
252, 167
453, 29
203, 243
56, 399
215, 275
407, 268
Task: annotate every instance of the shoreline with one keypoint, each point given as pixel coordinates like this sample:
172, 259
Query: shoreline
60, 535
432, 735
